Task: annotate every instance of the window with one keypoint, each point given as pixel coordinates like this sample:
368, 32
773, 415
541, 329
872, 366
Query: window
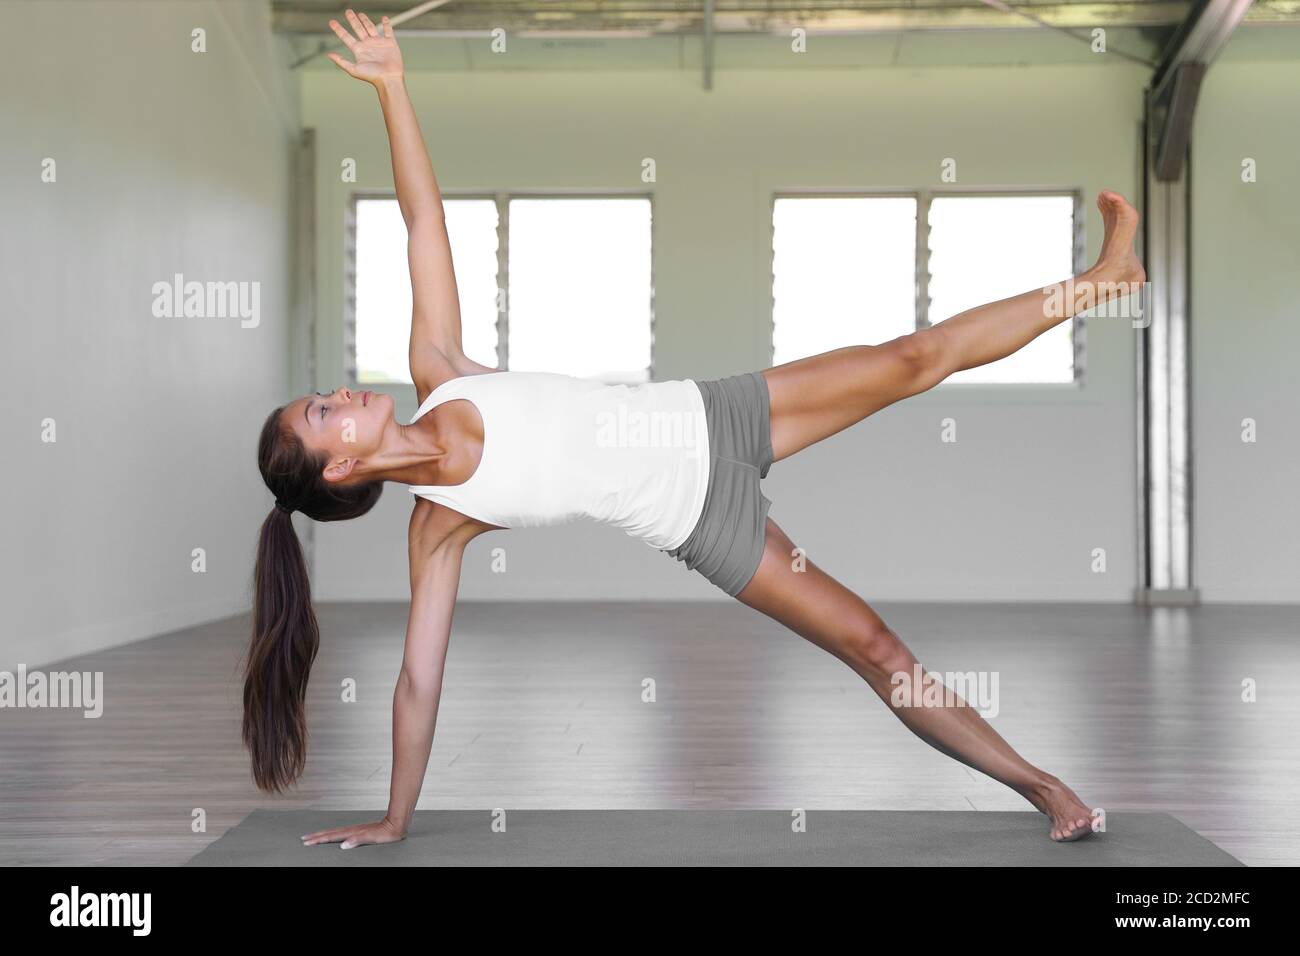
985, 248
578, 299
843, 273
845, 268
382, 285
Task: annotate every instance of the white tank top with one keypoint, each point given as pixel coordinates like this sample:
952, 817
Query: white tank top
557, 448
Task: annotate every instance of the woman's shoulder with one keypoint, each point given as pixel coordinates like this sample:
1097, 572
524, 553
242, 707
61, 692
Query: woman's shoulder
432, 524
432, 368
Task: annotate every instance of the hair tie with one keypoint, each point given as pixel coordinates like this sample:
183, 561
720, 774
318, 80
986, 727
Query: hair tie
283, 507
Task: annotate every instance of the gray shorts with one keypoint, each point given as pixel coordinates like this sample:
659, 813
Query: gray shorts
726, 543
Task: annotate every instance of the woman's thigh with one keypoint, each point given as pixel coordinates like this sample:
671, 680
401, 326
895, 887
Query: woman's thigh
793, 591
815, 397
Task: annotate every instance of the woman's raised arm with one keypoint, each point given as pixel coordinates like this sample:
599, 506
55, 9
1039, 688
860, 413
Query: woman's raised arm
435, 314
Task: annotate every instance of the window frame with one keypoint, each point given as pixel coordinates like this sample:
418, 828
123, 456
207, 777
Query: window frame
921, 275
502, 199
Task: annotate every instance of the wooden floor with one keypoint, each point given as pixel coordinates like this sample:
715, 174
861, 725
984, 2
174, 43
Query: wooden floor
1137, 709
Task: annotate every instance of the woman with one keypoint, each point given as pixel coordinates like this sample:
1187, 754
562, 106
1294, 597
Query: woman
490, 450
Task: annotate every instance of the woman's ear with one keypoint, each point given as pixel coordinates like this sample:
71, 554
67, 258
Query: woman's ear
339, 469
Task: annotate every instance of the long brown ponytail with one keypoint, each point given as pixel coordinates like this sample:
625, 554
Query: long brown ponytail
285, 633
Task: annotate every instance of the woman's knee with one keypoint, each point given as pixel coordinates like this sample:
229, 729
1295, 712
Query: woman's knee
876, 649
923, 356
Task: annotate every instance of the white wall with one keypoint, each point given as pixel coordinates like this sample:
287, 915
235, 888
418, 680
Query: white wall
167, 161
1246, 332
1038, 478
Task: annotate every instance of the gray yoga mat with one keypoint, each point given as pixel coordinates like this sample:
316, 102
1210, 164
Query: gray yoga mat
715, 838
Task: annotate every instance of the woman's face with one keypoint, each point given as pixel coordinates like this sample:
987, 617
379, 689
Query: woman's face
344, 425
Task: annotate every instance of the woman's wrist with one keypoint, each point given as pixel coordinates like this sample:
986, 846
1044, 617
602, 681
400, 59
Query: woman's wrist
390, 82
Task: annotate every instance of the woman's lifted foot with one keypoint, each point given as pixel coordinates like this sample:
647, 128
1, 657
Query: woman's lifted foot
1118, 262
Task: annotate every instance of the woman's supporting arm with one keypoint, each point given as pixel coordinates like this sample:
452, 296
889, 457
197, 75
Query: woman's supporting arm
435, 579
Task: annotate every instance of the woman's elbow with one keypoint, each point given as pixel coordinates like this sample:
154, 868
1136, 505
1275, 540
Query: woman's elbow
414, 686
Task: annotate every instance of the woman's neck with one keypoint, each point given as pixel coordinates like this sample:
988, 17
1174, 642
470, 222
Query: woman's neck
414, 454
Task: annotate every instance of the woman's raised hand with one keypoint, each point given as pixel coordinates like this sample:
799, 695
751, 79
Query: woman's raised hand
374, 48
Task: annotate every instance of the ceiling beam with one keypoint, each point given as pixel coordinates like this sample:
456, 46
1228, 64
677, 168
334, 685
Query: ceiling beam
1171, 98
1198, 39
668, 17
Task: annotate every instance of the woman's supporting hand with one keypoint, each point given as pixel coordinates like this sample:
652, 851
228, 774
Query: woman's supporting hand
375, 49
381, 831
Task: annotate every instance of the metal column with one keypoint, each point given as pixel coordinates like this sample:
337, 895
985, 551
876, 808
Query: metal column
1164, 357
